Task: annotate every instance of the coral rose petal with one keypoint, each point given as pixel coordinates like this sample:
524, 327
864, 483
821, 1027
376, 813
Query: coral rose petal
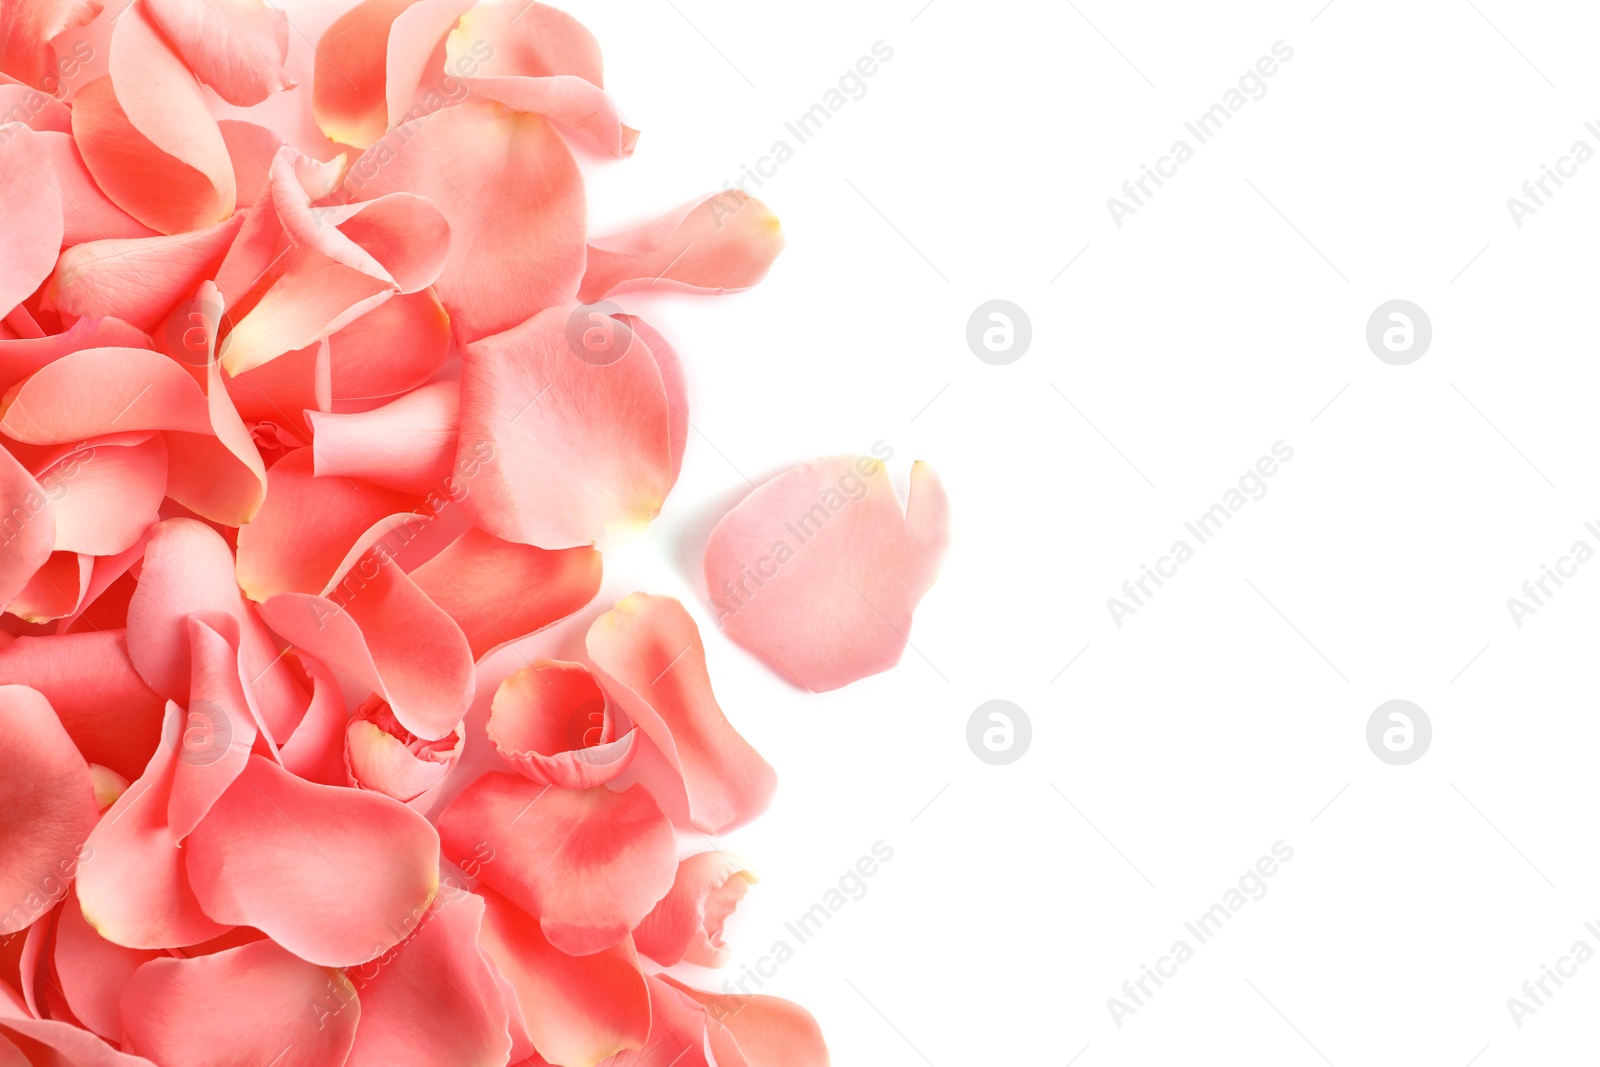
371, 61
132, 886
105, 707
34, 220
48, 803
375, 625
514, 199
719, 245
139, 280
648, 654
687, 923
315, 749
847, 568
390, 350
58, 589
409, 1018
307, 526
550, 720
408, 444
21, 356
764, 1031
105, 495
566, 99
497, 591
680, 1033
92, 971
589, 864
574, 1010
336, 876
385, 757
580, 452
237, 47
219, 727
674, 386
188, 567
104, 390
87, 213
52, 1042
147, 135
254, 1004
30, 534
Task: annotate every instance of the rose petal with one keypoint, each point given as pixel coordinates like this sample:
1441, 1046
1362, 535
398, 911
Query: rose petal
52, 1042
535, 58
719, 245
307, 526
27, 526
371, 62
26, 28
408, 444
105, 707
383, 756
87, 214
765, 1031
589, 864
34, 227
498, 592
187, 568
238, 47
56, 590
105, 495
376, 626
93, 971
574, 1010
389, 351
588, 463
253, 148
255, 1004
20, 357
687, 923
132, 885
218, 726
648, 654
551, 721
138, 280
48, 803
336, 876
339, 263
528, 253
104, 390
436, 1001
674, 386
679, 1033
818, 570
148, 137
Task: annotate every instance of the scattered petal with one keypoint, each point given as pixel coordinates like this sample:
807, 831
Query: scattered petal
648, 654
818, 570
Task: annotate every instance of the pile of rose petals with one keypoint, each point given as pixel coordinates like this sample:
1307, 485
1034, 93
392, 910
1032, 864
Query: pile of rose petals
305, 413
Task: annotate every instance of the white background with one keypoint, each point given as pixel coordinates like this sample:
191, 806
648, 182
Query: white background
1226, 315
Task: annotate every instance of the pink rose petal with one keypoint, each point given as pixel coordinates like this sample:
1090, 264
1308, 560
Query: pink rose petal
818, 570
